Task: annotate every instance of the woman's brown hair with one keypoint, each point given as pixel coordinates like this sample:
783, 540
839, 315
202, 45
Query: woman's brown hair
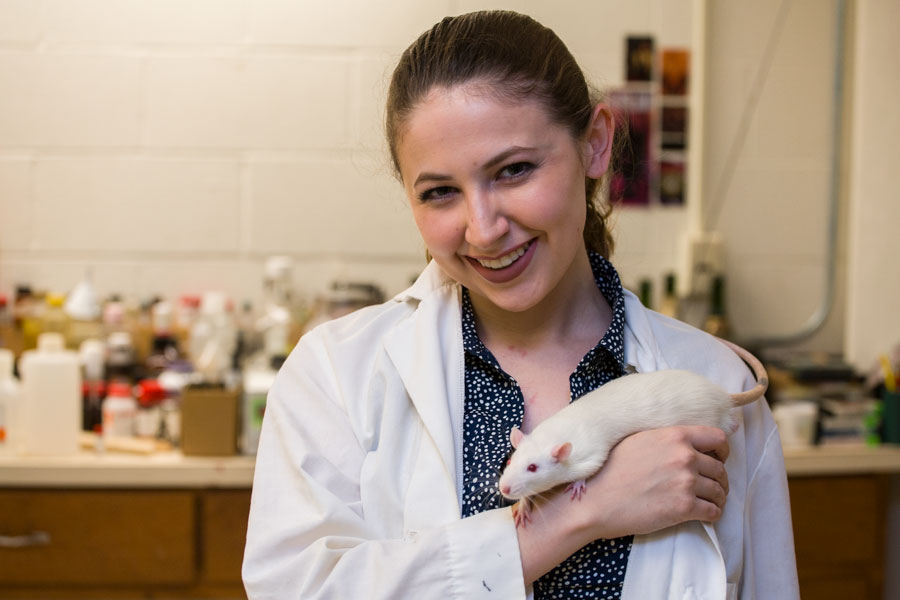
520, 59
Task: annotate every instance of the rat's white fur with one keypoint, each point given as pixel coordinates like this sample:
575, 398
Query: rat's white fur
596, 422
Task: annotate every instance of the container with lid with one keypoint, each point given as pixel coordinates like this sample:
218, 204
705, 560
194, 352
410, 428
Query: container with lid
119, 412
51, 390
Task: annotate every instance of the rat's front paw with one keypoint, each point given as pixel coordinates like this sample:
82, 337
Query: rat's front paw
522, 512
576, 488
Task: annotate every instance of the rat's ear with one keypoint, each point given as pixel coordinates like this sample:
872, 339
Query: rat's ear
515, 436
561, 452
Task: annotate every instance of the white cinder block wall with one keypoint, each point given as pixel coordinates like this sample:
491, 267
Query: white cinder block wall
171, 145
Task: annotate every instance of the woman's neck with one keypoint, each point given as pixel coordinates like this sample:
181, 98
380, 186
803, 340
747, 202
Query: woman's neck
574, 310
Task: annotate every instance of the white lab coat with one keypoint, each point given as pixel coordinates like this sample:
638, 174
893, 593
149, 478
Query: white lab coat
357, 492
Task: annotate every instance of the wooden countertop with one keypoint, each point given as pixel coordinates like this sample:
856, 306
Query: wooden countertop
842, 460
118, 470
173, 470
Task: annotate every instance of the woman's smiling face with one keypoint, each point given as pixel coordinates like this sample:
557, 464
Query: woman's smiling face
497, 191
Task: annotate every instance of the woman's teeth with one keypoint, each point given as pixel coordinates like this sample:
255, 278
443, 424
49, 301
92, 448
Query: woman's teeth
505, 261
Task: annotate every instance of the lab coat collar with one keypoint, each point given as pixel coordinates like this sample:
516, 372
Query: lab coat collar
642, 353
426, 350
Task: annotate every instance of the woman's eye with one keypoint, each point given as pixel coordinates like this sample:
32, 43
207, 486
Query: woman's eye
437, 193
516, 170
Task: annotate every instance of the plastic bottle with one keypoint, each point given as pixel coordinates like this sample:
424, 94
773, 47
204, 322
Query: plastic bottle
185, 315
148, 422
10, 401
164, 348
120, 356
119, 412
213, 339
54, 319
83, 309
7, 331
92, 354
51, 407
26, 313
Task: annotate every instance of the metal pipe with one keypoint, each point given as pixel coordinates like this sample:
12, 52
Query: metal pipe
817, 319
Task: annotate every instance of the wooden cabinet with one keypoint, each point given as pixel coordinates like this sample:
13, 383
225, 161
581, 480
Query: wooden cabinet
122, 543
839, 535
151, 543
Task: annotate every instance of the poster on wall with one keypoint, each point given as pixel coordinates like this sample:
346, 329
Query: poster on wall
632, 172
673, 127
675, 69
671, 182
639, 57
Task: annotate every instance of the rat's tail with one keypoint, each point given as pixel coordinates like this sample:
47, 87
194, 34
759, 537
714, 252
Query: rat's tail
762, 378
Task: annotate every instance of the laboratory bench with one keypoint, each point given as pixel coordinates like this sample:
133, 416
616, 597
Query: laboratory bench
167, 525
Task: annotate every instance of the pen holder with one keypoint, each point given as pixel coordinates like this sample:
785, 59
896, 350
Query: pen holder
891, 418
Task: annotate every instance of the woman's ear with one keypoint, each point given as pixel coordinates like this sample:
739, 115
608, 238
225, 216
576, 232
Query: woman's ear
599, 142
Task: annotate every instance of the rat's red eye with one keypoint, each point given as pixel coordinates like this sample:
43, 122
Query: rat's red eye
532, 467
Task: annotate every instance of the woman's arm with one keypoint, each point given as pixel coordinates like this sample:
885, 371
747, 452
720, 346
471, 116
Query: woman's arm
310, 535
652, 480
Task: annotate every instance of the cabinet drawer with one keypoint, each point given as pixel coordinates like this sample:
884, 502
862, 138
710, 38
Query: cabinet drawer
92, 537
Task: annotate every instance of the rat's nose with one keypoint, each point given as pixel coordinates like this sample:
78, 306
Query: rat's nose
504, 489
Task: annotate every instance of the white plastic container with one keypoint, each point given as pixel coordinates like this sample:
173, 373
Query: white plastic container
119, 412
51, 391
10, 401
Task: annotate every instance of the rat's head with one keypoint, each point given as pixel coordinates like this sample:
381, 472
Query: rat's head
534, 467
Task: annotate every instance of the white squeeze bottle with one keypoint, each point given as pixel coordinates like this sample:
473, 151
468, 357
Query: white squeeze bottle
51, 398
10, 401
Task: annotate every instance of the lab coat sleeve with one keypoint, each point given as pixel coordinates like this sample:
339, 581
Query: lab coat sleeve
770, 567
308, 537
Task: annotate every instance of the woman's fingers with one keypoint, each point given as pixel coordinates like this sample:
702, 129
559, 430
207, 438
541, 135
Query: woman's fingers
713, 469
709, 440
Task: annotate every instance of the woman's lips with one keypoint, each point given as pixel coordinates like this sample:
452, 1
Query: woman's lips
509, 272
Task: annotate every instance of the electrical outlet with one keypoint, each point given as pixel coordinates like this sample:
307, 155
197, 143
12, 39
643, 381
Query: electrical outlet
705, 260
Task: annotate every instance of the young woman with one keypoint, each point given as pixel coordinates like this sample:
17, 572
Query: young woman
386, 430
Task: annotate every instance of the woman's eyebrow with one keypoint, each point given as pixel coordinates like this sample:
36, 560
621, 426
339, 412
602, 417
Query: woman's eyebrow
490, 164
430, 177
506, 154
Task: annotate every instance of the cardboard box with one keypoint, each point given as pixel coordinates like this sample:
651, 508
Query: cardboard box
209, 421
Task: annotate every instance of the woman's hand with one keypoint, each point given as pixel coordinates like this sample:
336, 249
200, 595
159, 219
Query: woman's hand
658, 478
652, 480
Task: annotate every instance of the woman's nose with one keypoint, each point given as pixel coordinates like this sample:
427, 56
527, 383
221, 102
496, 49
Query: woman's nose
486, 224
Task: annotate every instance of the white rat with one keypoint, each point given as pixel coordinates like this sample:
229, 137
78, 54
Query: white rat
572, 444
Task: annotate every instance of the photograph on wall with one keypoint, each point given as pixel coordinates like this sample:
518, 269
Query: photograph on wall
671, 182
675, 70
673, 127
639, 58
632, 171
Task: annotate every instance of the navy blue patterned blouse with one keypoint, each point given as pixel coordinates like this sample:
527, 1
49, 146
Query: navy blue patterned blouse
494, 404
